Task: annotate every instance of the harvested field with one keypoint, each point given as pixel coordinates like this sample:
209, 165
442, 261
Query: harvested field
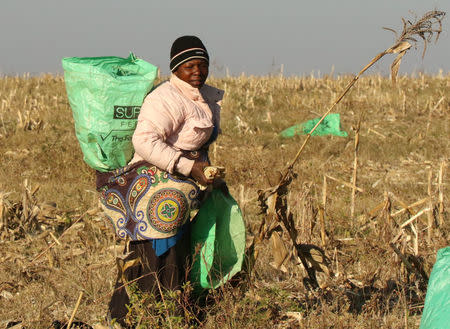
367, 212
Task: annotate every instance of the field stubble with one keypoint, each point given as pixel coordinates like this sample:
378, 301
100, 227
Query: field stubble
373, 271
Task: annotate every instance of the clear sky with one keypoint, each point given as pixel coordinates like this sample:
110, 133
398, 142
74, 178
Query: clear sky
254, 37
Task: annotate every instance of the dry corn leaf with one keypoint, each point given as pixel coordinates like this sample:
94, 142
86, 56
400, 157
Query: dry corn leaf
271, 205
423, 28
401, 50
399, 47
280, 252
271, 211
123, 264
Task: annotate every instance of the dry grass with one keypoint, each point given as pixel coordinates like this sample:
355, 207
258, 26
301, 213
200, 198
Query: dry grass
54, 244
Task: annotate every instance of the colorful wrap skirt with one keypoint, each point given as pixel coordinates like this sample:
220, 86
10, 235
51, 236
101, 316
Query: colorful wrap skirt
143, 202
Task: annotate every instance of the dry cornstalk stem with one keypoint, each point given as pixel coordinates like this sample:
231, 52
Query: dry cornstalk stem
386, 209
408, 222
242, 200
322, 225
432, 109
69, 324
430, 206
420, 213
336, 261
355, 169
408, 208
54, 238
322, 211
376, 133
415, 240
441, 193
25, 201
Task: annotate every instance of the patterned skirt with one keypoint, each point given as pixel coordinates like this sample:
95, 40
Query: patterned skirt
143, 202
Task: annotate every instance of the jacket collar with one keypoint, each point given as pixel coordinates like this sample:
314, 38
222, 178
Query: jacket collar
206, 93
186, 89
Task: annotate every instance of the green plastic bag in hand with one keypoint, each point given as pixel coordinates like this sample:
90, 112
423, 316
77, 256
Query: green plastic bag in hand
217, 240
106, 94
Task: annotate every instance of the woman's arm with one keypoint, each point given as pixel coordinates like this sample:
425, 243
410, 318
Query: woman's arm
158, 119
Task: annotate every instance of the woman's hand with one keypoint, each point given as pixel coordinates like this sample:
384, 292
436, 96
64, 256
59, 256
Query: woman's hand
198, 174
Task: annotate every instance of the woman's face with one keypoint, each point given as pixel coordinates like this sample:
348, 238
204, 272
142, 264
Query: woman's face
193, 72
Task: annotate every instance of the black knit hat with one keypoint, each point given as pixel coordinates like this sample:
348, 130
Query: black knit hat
186, 48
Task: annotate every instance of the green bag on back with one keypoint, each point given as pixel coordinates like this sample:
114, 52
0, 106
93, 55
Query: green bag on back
106, 94
217, 241
436, 313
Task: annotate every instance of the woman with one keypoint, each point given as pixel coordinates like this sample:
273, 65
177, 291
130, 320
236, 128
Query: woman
152, 200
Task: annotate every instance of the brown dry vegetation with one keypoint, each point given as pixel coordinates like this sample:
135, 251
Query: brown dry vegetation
47, 190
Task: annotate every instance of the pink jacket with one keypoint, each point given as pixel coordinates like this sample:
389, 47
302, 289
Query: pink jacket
174, 117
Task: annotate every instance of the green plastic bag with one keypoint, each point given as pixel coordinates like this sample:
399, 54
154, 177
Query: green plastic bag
331, 125
106, 94
436, 313
217, 241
